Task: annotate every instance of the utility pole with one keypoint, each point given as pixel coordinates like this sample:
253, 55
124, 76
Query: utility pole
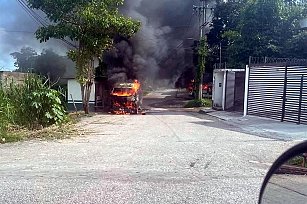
220, 53
202, 12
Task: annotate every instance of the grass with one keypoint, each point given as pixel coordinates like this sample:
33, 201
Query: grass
297, 161
10, 138
63, 131
145, 93
27, 107
199, 103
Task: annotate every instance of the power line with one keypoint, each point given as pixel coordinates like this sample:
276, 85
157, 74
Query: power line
39, 20
43, 22
30, 12
16, 31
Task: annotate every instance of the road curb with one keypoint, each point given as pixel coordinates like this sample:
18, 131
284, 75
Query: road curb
208, 111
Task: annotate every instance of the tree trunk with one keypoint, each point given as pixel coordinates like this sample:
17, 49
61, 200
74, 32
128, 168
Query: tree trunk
86, 86
85, 109
200, 87
86, 94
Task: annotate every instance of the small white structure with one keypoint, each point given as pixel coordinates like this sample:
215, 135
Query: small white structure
303, 23
227, 86
74, 94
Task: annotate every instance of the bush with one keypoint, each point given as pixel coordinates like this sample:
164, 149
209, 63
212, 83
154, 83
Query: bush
199, 103
4, 113
297, 161
31, 105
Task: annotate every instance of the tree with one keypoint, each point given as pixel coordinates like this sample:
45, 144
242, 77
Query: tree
202, 54
257, 28
25, 59
50, 65
225, 18
93, 24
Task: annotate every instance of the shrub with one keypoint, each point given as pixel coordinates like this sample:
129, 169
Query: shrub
32, 105
199, 103
4, 110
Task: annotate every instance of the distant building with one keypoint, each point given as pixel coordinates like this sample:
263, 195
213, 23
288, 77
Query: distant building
73, 94
7, 78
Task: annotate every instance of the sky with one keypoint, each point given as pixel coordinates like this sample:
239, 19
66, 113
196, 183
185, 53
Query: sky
162, 22
16, 31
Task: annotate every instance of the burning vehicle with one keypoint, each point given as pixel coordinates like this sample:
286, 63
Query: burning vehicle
207, 88
126, 98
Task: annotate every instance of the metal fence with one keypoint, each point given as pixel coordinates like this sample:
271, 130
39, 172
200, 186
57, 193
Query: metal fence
278, 92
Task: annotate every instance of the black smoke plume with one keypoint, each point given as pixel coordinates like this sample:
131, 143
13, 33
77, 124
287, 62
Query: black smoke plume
157, 51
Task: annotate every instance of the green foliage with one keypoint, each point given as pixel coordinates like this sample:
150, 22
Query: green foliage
257, 28
6, 138
93, 24
202, 55
48, 63
51, 65
199, 103
31, 105
5, 109
297, 161
25, 59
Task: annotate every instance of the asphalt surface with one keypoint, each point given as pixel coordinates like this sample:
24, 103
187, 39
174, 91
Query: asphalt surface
169, 155
291, 189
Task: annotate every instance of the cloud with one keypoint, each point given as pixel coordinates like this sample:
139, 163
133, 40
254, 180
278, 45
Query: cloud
13, 21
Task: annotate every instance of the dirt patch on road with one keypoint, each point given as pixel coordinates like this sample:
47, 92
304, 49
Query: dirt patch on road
170, 99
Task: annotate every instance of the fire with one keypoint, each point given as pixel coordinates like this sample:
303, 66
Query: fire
120, 109
122, 93
125, 98
126, 89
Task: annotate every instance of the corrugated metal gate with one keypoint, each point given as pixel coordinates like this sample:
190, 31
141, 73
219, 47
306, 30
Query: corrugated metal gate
278, 92
266, 84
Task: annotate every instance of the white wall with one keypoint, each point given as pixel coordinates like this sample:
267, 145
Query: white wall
218, 80
74, 89
230, 90
246, 90
303, 23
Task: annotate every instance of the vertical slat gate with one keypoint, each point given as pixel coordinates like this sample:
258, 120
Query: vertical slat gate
303, 118
292, 99
265, 95
279, 93
295, 109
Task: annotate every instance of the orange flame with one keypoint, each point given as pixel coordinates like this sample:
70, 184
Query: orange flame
128, 89
125, 90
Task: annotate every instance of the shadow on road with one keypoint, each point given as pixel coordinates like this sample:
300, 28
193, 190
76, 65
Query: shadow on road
167, 103
207, 121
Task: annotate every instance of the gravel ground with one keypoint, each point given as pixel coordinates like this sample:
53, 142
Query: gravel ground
169, 155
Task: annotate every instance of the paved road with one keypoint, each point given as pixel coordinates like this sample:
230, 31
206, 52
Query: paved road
291, 189
169, 155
